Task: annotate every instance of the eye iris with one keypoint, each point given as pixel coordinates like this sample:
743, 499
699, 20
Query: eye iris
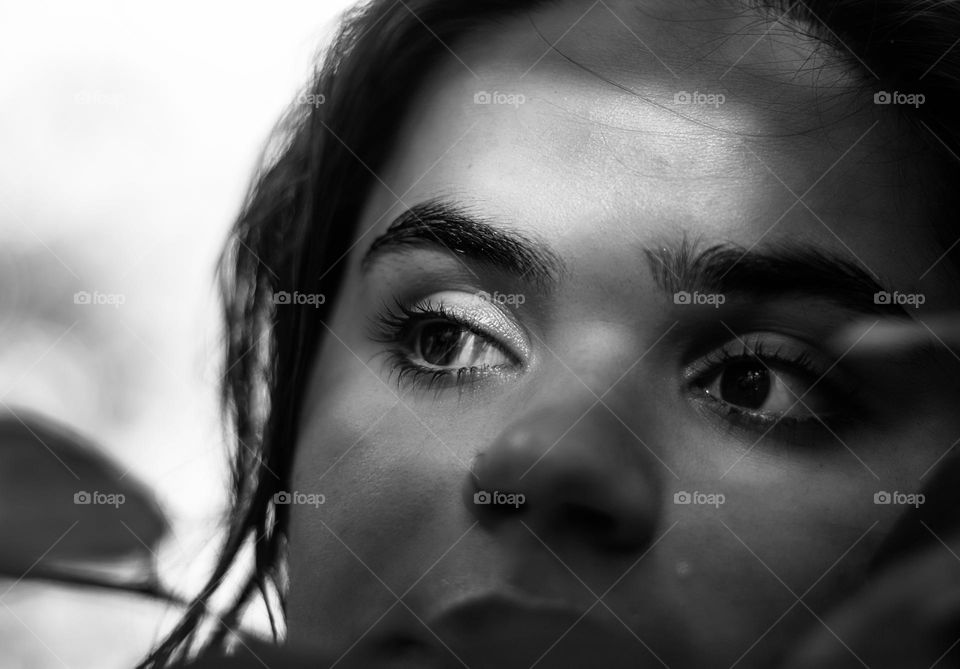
745, 383
441, 343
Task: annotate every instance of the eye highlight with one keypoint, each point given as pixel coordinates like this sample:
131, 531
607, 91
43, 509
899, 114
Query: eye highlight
764, 380
449, 339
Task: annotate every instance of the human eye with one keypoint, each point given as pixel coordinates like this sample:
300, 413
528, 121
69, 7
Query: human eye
449, 339
764, 382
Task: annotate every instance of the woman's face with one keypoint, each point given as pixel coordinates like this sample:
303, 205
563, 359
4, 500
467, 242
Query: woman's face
679, 482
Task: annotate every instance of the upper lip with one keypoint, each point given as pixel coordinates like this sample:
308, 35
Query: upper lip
487, 607
507, 629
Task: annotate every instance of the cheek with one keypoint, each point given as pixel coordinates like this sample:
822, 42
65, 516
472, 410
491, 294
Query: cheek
386, 483
749, 568
773, 523
796, 532
350, 449
351, 547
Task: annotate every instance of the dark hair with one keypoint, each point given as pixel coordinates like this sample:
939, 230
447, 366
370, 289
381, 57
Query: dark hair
299, 220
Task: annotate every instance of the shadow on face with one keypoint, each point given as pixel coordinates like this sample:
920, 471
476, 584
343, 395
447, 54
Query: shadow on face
575, 392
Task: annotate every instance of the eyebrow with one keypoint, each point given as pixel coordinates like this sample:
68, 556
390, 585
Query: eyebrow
773, 273
796, 269
446, 226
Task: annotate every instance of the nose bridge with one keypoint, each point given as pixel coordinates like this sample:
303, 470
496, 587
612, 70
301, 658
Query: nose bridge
560, 439
593, 355
594, 378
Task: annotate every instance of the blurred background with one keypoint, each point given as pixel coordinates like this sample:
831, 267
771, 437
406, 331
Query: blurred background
129, 132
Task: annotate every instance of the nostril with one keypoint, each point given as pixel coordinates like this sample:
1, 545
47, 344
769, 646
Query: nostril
596, 526
403, 647
587, 520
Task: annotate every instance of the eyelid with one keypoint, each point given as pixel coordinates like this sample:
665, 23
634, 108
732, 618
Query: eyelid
769, 347
482, 313
780, 352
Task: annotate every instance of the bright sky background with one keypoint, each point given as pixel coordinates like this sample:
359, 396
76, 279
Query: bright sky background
129, 133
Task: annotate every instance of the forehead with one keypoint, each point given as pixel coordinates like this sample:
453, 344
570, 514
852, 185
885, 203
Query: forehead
646, 120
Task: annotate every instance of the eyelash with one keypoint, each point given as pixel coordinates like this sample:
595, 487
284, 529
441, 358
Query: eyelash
394, 325
716, 362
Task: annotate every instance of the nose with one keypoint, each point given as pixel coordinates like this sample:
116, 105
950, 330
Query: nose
571, 472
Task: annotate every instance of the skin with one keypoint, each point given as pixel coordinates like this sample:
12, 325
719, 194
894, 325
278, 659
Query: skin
600, 174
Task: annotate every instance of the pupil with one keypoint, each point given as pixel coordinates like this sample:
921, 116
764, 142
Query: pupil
745, 383
440, 343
